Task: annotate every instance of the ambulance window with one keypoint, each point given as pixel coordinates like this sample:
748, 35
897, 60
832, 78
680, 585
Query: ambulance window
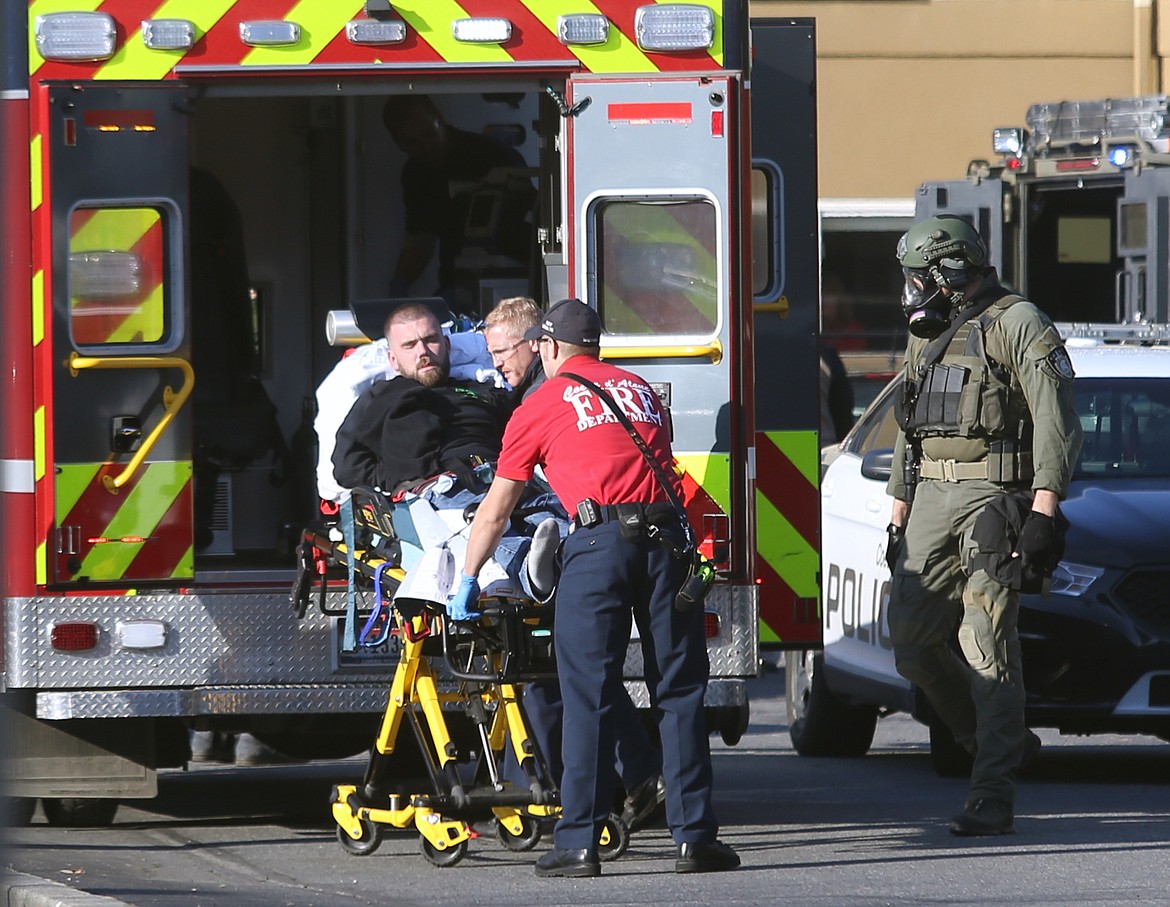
656, 266
116, 277
767, 262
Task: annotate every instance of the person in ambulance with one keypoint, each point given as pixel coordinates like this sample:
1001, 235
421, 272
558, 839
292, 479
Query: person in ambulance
440, 160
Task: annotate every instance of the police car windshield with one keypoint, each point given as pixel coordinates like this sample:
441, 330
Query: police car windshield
1127, 427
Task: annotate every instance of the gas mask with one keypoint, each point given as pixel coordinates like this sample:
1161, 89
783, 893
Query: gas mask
940, 257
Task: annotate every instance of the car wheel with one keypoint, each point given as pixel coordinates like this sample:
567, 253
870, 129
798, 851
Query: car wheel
948, 758
820, 723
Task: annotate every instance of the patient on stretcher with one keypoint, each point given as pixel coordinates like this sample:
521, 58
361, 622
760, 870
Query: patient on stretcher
428, 440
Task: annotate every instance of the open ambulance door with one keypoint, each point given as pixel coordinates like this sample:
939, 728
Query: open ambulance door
119, 434
653, 209
980, 204
1143, 230
785, 282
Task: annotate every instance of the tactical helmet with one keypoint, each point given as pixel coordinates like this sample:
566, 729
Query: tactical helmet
946, 241
940, 256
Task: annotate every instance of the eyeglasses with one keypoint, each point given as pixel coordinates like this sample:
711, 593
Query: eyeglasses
507, 351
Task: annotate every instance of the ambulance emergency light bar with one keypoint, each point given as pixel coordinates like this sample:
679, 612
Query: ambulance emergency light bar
92, 36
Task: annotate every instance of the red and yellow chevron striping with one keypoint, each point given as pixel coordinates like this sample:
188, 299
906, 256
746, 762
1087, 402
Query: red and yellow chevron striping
143, 532
787, 535
323, 43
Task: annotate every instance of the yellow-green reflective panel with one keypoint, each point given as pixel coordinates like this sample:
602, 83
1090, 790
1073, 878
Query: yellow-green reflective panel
116, 269
657, 266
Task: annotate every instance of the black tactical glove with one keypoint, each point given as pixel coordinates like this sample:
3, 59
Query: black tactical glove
1040, 543
895, 538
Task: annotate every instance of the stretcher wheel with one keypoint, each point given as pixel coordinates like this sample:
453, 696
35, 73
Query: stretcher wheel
443, 858
365, 845
528, 838
619, 839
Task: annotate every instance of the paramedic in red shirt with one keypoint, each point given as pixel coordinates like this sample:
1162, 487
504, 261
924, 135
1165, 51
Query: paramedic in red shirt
607, 581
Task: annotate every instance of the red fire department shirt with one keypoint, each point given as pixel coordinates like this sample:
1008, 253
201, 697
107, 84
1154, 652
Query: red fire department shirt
585, 451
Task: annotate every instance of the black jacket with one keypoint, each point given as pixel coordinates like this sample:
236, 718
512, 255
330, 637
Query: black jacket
399, 432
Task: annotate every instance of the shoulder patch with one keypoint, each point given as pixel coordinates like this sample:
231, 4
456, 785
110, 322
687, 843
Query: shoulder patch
1059, 362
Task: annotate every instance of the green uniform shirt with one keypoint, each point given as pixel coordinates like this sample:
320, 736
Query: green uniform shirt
1024, 340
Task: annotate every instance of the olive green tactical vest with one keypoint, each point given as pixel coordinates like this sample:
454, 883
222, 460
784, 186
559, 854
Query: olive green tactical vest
969, 408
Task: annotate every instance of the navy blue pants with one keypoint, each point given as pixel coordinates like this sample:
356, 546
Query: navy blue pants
606, 583
636, 757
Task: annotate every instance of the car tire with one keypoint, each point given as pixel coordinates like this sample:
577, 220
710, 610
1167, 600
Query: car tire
948, 758
820, 723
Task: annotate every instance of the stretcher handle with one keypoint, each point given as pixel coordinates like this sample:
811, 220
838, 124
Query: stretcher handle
172, 401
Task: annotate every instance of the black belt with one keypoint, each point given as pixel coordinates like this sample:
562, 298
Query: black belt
660, 513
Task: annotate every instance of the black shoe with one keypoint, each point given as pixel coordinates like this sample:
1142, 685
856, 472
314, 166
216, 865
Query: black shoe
571, 864
644, 803
712, 857
984, 817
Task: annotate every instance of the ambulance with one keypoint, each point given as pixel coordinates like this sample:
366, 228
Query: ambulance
211, 183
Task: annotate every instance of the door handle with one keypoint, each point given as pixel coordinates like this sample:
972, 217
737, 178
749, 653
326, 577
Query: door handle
172, 401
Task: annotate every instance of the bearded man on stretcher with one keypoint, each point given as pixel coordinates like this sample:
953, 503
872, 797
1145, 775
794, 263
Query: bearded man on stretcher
427, 434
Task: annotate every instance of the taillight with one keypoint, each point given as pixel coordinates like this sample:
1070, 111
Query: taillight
710, 624
73, 637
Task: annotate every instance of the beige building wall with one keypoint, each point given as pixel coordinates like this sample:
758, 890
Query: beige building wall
910, 90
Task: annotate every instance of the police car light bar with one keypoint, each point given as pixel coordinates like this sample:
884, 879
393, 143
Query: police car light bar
75, 37
1133, 332
168, 34
674, 27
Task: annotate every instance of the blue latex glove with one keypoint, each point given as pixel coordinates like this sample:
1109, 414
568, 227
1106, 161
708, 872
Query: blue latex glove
461, 604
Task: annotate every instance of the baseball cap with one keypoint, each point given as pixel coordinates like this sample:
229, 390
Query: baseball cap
570, 321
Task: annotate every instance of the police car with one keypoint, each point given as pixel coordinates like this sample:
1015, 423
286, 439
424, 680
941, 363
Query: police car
1096, 648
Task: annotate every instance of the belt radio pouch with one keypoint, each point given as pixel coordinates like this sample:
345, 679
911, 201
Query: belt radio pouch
700, 576
632, 520
588, 513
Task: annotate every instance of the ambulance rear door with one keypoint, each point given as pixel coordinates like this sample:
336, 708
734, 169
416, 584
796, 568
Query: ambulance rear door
121, 440
653, 199
785, 281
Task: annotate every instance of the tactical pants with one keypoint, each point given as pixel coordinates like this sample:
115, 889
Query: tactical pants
933, 599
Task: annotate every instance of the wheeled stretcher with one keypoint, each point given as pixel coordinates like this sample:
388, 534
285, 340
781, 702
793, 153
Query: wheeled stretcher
476, 668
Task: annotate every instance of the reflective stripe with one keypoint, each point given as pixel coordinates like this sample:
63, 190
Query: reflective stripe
618, 54
320, 23
323, 42
17, 476
39, 444
134, 60
432, 19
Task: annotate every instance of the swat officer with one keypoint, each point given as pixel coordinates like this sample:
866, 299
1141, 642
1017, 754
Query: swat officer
614, 568
989, 436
